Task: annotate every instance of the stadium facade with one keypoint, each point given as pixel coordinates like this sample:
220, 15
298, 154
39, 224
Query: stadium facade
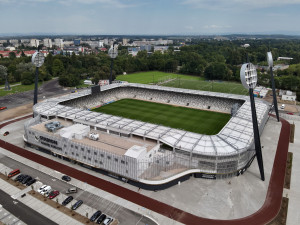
145, 153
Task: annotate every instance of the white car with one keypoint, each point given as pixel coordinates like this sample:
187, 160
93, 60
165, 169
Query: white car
41, 188
282, 106
46, 190
107, 221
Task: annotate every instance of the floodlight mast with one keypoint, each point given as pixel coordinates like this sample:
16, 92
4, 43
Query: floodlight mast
113, 53
270, 62
37, 60
248, 76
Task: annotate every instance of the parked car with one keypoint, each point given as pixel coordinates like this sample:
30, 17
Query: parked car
41, 188
3, 107
46, 190
25, 180
53, 194
32, 181
18, 177
107, 221
77, 204
282, 106
290, 113
66, 178
101, 218
71, 190
13, 173
67, 200
6, 133
95, 216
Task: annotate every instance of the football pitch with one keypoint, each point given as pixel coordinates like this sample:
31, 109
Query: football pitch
188, 119
184, 81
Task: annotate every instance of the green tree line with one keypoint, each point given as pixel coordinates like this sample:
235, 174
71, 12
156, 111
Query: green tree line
214, 60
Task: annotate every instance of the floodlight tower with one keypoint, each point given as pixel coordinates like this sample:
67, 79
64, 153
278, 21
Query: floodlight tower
37, 60
270, 62
248, 76
113, 53
3, 73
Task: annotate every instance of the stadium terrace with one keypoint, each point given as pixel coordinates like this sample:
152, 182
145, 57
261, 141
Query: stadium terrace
150, 155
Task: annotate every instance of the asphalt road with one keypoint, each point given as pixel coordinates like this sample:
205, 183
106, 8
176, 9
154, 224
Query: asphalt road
48, 89
124, 215
23, 212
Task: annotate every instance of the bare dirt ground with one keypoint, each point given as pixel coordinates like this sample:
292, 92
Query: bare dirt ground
290, 106
15, 112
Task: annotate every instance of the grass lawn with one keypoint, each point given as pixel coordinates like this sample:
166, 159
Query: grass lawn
216, 86
198, 121
153, 77
17, 89
184, 81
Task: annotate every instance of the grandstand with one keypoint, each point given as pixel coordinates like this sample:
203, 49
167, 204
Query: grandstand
157, 154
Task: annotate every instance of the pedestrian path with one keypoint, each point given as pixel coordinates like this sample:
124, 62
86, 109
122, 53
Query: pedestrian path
8, 218
293, 194
89, 188
37, 205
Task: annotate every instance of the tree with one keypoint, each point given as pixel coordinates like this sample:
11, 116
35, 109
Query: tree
3, 75
57, 68
27, 78
12, 55
48, 63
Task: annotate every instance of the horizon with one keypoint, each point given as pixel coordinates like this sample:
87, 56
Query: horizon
165, 17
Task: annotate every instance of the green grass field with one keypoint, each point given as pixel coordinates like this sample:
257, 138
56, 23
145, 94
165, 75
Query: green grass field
215, 86
184, 81
198, 121
153, 77
18, 89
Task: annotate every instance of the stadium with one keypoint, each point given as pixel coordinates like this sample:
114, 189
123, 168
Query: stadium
153, 154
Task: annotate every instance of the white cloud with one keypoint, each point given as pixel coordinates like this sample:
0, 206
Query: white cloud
213, 26
227, 4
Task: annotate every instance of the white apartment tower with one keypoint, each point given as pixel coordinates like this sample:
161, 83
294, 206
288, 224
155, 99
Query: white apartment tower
59, 42
47, 42
34, 42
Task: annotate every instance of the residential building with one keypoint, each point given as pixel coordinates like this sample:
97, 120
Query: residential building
287, 95
34, 43
59, 42
47, 42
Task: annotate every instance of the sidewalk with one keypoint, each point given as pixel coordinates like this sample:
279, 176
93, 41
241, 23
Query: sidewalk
293, 216
8, 218
158, 218
37, 205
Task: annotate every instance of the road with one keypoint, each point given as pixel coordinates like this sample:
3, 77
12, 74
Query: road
48, 89
23, 212
124, 215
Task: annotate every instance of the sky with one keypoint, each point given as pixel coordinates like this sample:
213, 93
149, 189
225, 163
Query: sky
150, 17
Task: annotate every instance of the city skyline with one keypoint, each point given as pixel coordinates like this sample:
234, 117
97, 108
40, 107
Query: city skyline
166, 17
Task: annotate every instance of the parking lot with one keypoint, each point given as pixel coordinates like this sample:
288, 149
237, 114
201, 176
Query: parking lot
91, 201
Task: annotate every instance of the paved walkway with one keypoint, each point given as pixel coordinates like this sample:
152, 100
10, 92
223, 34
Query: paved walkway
13, 85
35, 204
268, 211
293, 193
8, 218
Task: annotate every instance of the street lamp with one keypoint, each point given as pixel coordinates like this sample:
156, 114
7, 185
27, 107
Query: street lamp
113, 53
248, 76
270, 62
37, 60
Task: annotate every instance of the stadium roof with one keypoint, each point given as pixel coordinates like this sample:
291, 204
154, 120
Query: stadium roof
236, 136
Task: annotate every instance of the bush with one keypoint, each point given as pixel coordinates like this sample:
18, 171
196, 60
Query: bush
27, 78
